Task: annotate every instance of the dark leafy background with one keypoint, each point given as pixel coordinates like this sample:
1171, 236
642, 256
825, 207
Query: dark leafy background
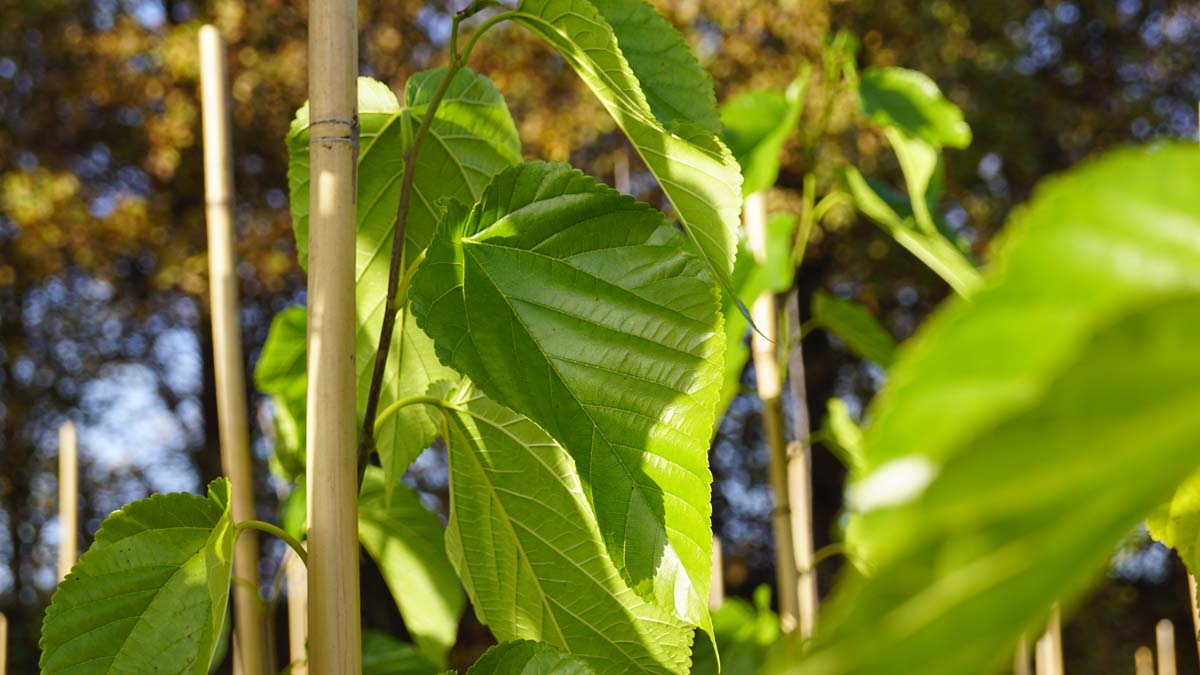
103, 308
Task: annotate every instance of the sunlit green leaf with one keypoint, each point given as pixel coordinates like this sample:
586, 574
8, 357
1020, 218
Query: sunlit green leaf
282, 372
933, 249
580, 308
1177, 523
855, 327
150, 595
696, 171
911, 102
757, 124
843, 435
407, 542
471, 139
527, 658
527, 546
1073, 383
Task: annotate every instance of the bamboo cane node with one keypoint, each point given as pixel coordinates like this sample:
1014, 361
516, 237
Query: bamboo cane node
781, 511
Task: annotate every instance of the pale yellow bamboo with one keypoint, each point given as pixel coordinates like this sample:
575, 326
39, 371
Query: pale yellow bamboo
333, 602
1143, 661
716, 591
621, 171
68, 499
233, 427
1021, 658
1195, 611
297, 608
1049, 646
769, 382
1164, 641
3, 644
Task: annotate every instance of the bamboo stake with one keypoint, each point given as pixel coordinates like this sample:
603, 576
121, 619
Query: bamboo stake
333, 609
621, 171
3, 644
1143, 661
1049, 646
233, 427
799, 475
1021, 658
716, 591
68, 499
1164, 641
1195, 611
297, 609
767, 376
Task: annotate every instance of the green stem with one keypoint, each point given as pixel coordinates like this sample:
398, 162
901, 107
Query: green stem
394, 299
274, 530
394, 406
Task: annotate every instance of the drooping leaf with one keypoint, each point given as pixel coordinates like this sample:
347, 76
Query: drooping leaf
282, 372
843, 435
1074, 382
524, 657
918, 122
472, 138
931, 248
855, 327
150, 595
407, 542
696, 171
910, 101
1177, 523
385, 655
580, 308
528, 549
745, 633
757, 124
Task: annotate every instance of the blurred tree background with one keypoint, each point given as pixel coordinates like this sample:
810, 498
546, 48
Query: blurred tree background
103, 307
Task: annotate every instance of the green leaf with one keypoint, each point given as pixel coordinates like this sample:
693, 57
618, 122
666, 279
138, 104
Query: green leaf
385, 655
676, 87
854, 326
580, 308
931, 248
528, 549
918, 122
407, 542
745, 632
696, 171
527, 658
911, 102
1177, 523
1073, 383
843, 435
757, 124
282, 372
471, 139
150, 594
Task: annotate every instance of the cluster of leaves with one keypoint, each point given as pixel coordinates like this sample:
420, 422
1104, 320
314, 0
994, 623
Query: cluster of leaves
556, 328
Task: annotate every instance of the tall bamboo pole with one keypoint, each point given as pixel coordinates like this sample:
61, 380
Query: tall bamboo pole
3, 644
297, 611
1195, 611
1049, 646
333, 602
227, 347
1164, 641
769, 382
799, 473
1143, 661
1021, 658
716, 590
68, 499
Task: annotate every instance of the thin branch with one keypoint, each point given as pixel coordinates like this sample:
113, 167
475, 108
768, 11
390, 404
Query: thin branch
367, 442
275, 531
